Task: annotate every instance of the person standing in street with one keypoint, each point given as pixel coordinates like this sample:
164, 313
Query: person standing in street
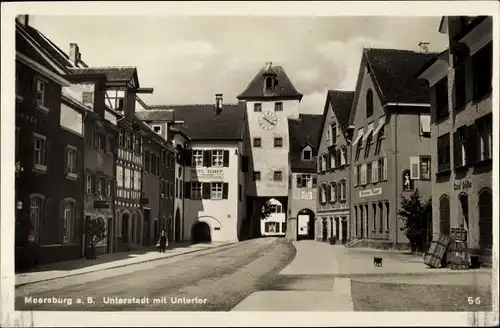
163, 242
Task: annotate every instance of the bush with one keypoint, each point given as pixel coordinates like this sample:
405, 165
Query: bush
95, 232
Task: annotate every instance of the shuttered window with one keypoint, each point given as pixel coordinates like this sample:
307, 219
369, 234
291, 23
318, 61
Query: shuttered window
415, 168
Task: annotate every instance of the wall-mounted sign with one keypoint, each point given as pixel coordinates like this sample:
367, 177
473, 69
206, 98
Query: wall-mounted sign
466, 184
370, 192
201, 173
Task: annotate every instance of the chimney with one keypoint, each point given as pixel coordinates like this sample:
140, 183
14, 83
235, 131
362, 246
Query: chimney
268, 65
218, 103
23, 19
74, 54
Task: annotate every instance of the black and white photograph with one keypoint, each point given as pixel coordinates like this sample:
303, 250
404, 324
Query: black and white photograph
249, 164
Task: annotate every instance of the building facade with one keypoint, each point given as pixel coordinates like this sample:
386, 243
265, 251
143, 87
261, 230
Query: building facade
333, 216
390, 111
49, 190
270, 99
460, 79
302, 208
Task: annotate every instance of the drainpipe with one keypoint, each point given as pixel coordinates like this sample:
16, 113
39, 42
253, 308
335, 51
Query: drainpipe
396, 152
183, 191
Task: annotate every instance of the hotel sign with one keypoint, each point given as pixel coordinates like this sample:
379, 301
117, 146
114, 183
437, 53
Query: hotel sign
201, 173
370, 192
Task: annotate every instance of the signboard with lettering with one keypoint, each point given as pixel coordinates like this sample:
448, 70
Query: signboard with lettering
206, 173
466, 184
370, 192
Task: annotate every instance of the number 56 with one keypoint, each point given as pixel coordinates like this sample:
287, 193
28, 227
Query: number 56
473, 300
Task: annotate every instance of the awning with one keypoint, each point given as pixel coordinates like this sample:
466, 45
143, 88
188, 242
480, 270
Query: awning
358, 138
367, 134
425, 123
379, 126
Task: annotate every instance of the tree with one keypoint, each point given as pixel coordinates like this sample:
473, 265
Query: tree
95, 232
266, 211
415, 214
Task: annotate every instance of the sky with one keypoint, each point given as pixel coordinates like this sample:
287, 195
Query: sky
189, 59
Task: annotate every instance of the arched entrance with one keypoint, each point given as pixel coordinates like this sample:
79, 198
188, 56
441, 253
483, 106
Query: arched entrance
464, 210
200, 233
306, 224
444, 215
178, 236
125, 226
485, 220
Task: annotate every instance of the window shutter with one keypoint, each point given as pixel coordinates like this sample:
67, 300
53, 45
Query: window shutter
472, 144
244, 164
328, 162
314, 181
385, 169
226, 158
415, 168
187, 190
94, 186
66, 160
207, 160
456, 149
339, 191
299, 181
375, 171
225, 190
363, 174
187, 158
355, 170
205, 190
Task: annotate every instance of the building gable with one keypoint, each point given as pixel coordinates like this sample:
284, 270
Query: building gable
303, 133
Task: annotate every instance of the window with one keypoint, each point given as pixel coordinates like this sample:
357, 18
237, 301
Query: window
40, 151
333, 128
375, 175
485, 128
369, 172
257, 142
304, 181
441, 92
343, 188
71, 160
334, 159
382, 169
198, 158
278, 107
256, 175
482, 62
307, 154
269, 83
278, 142
36, 210
425, 125
357, 175
257, 107
343, 158
333, 192
387, 221
277, 176
87, 97
121, 139
363, 174
147, 161
216, 190
99, 141
459, 87
425, 168
443, 152
69, 221
163, 188
195, 190
101, 187
323, 194
41, 99
217, 158
138, 144
459, 147
157, 129
380, 132
109, 188
369, 103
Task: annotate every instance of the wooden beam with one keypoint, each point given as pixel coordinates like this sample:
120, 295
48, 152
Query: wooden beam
144, 90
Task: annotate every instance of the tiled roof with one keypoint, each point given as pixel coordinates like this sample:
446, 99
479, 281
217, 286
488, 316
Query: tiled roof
155, 115
285, 88
113, 74
304, 131
394, 72
341, 102
202, 123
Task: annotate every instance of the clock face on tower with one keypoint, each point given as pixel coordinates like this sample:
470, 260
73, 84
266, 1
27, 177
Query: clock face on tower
268, 120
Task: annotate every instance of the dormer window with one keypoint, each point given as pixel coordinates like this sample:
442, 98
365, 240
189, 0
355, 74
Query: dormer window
307, 153
270, 83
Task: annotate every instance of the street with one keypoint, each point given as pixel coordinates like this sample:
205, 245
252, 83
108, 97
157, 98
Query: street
222, 278
267, 274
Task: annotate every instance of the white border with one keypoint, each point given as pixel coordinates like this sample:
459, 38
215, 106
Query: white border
309, 8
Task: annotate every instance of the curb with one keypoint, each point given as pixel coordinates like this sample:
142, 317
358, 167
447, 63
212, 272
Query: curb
388, 274
229, 245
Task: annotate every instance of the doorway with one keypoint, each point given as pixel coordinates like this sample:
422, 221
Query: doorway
344, 230
178, 236
125, 222
201, 233
324, 235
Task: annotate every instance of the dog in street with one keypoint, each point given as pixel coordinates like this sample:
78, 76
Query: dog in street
377, 261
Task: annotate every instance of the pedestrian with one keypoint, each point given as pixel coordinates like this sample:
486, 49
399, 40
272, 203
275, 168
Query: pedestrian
162, 242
